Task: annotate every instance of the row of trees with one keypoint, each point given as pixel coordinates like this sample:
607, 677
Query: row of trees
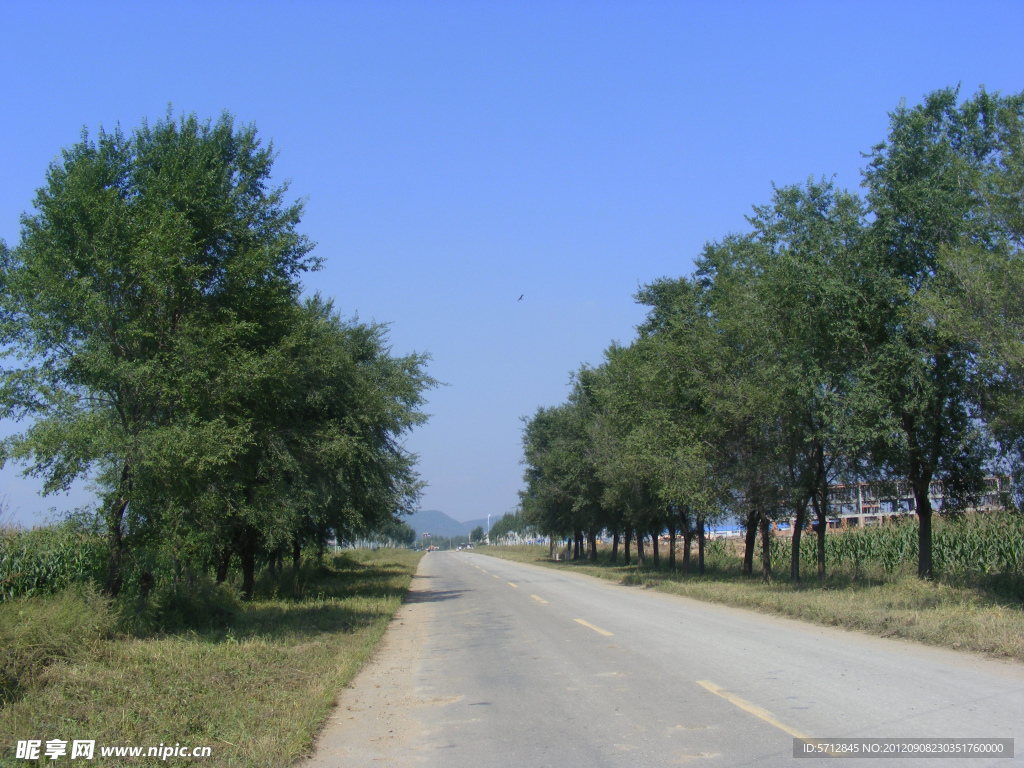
511, 526
155, 339
840, 338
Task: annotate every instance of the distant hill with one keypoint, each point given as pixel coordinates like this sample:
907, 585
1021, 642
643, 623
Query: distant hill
437, 523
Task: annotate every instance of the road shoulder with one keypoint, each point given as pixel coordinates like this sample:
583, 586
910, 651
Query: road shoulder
373, 722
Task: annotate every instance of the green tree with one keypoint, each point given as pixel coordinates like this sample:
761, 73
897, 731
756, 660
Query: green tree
814, 284
477, 534
511, 524
326, 455
393, 533
675, 415
156, 268
629, 449
927, 189
980, 297
586, 440
747, 403
563, 491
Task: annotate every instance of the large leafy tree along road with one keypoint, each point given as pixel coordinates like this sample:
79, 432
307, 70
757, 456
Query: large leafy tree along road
933, 187
155, 266
155, 341
839, 340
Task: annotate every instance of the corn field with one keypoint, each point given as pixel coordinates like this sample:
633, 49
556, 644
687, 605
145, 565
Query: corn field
972, 544
47, 560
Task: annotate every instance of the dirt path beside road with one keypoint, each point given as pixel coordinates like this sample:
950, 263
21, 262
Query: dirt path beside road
374, 722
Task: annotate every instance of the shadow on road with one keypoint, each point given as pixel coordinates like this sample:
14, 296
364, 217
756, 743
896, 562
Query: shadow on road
432, 595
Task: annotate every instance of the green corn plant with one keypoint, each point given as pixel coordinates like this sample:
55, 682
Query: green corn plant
979, 544
47, 560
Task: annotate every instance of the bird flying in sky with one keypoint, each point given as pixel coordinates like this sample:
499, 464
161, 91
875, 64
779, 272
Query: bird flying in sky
520, 297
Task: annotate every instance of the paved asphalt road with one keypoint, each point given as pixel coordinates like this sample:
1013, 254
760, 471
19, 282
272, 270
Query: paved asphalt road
536, 667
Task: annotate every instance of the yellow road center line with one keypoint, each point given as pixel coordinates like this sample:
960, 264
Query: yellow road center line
513, 585
539, 599
588, 625
482, 571
495, 575
753, 709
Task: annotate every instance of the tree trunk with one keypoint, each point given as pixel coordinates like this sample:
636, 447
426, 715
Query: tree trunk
655, 554
750, 542
296, 555
615, 547
223, 564
146, 582
115, 533
924, 531
700, 545
247, 556
766, 547
821, 511
920, 474
672, 546
640, 560
115, 543
592, 540
577, 542
687, 530
821, 515
625, 548
798, 529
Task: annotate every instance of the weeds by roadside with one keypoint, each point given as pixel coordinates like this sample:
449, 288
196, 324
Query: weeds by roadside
256, 685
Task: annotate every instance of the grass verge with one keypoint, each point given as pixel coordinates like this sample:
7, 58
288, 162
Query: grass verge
984, 615
256, 689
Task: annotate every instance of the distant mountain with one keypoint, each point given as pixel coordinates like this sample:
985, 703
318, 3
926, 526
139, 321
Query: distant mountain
438, 524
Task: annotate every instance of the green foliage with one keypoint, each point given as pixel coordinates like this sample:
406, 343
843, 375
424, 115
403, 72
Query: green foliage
929, 188
717, 553
979, 299
154, 274
511, 524
639, 439
48, 560
551, 442
839, 339
392, 533
198, 603
155, 340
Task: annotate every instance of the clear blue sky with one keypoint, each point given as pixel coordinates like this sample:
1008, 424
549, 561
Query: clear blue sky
456, 155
